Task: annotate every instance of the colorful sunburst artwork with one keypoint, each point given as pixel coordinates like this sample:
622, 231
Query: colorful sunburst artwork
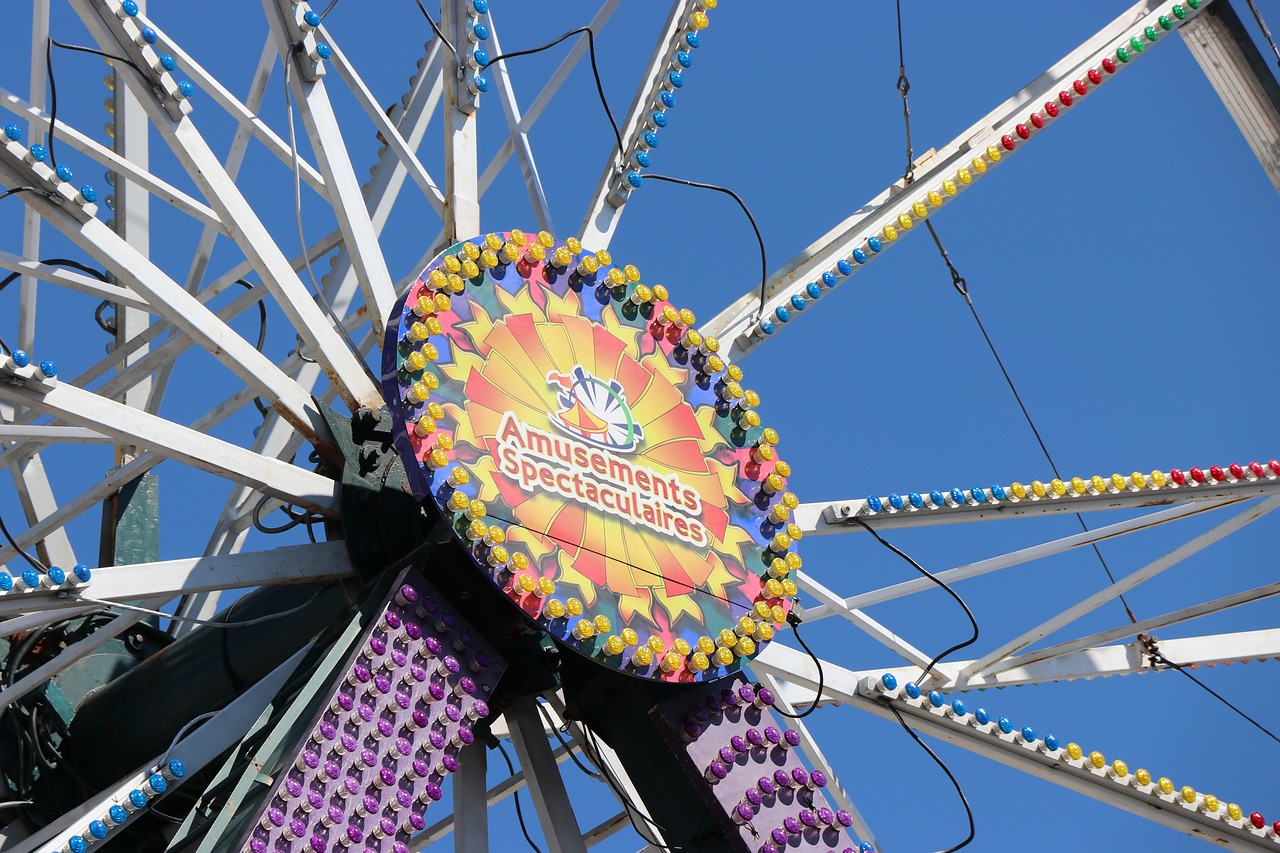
601, 463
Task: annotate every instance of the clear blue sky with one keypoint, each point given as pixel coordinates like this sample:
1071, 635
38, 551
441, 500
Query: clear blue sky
1123, 263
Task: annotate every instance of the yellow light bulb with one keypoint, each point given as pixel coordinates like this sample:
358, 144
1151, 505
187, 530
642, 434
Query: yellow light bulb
602, 624
921, 210
687, 317
470, 250
964, 176
418, 332
535, 253
526, 583
780, 543
616, 278
1211, 804
698, 20
454, 284
496, 534
706, 645
416, 361
671, 662
1097, 760
750, 419
726, 637
793, 560
497, 556
669, 314
1142, 776
433, 325
1117, 481
458, 501
460, 477
613, 645
1234, 811
659, 293
949, 186
734, 374
710, 4
546, 586
574, 245
584, 630
510, 252
745, 648
518, 237
1138, 479
724, 656
561, 257
519, 561
711, 344
1119, 768
1097, 483
574, 606
764, 632
424, 427
1077, 486
604, 258
477, 510
642, 656
469, 269
979, 165
437, 459
630, 637
489, 259
655, 643
1038, 489
750, 399
890, 233
1059, 487
681, 646
794, 531
698, 662
778, 614
444, 443
789, 588
773, 588
714, 364
994, 154
435, 410
1188, 794
761, 609
904, 221
493, 241
777, 513
783, 469
746, 625
554, 608
1166, 785
452, 264
1018, 490
436, 280
1074, 752
477, 530
769, 436
545, 240
1157, 477
632, 272
935, 198
692, 339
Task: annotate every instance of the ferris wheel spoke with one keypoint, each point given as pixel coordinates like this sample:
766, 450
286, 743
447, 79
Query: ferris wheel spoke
131, 426
938, 177
862, 621
71, 280
157, 187
524, 152
1014, 558
35, 494
1121, 586
612, 190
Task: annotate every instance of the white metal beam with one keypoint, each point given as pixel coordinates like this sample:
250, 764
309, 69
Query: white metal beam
471, 832
461, 181
550, 800
72, 280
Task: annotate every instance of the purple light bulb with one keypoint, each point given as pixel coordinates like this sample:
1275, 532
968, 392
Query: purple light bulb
406, 595
403, 747
466, 686
391, 620
386, 828
742, 813
800, 777
739, 744
342, 703
764, 697
368, 758
690, 732
398, 657
825, 816
273, 818
480, 662
318, 844
412, 631
385, 778
404, 798
463, 737
436, 689
450, 714
353, 836
754, 737
418, 720
727, 755
403, 700
716, 771
385, 728
382, 683
257, 845
747, 694
765, 786
350, 787
293, 788
358, 675
790, 738
377, 646
434, 792
328, 731
809, 818
437, 739
368, 806
782, 778
420, 768
295, 830
779, 836
309, 760
333, 815
791, 825
449, 666
772, 735
701, 716
817, 779
426, 607
713, 704
346, 743
332, 770
479, 710
730, 698
365, 713
844, 818
433, 645
754, 797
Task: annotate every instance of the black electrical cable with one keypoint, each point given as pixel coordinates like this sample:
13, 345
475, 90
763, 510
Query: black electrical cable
558, 733
595, 72
296, 517
817, 662
54, 262
945, 769
436, 29
516, 794
53, 86
17, 190
1266, 31
931, 576
35, 563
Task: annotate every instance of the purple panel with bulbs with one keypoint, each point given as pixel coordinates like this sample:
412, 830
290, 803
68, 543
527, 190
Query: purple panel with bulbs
388, 735
741, 758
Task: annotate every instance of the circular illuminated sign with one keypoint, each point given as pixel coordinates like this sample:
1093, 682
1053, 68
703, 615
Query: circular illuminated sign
600, 462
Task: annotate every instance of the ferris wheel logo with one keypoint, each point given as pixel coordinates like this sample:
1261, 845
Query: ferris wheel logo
594, 410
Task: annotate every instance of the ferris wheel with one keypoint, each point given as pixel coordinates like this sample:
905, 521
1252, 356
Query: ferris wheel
465, 472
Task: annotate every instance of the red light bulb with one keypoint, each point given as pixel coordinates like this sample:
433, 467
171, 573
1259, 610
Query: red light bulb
1080, 87
1177, 476
1197, 474
1109, 65
1275, 466
1022, 131
1037, 121
1258, 470
1007, 142
1257, 820
1051, 109
1217, 473
1065, 97
1236, 471
1095, 77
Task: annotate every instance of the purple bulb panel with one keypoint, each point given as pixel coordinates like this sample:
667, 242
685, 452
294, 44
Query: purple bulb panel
387, 736
741, 758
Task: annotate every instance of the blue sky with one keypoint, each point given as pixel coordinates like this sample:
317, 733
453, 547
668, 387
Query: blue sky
1123, 264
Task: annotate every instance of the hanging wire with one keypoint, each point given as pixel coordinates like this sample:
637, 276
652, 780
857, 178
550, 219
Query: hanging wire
439, 35
212, 623
945, 769
35, 562
515, 795
817, 662
961, 286
17, 190
1266, 31
53, 86
940, 582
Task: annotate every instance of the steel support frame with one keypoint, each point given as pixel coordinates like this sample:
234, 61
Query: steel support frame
461, 182
550, 800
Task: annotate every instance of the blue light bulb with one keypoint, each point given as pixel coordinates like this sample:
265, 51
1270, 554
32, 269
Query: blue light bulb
186, 89
979, 494
935, 698
6, 581
481, 31
874, 243
482, 83
1028, 734
1005, 724
813, 290
668, 99
936, 497
167, 62
97, 829
958, 707
13, 132
634, 179
844, 267
912, 690
137, 798
916, 500
38, 152
20, 357
118, 814
642, 159
889, 681
82, 572
683, 59
860, 255
323, 50
895, 500
659, 118
89, 193
157, 783
1050, 742
997, 493
48, 368
57, 576
650, 139
64, 172
149, 35
782, 314
481, 56
130, 8
865, 847
982, 716
311, 18
829, 279
766, 327
77, 844
874, 503
177, 768
676, 79
31, 578
481, 6
692, 39
957, 496
797, 302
